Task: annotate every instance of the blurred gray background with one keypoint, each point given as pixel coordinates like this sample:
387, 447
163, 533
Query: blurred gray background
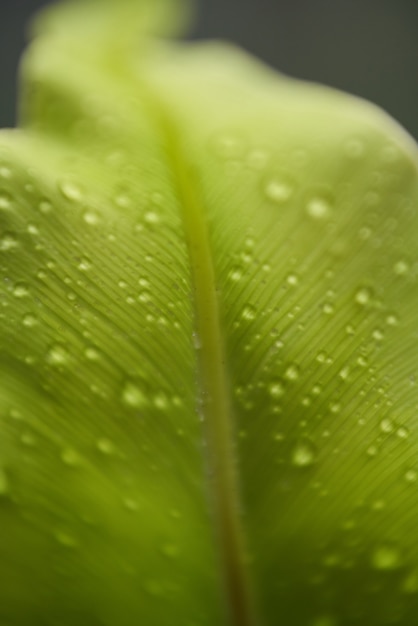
366, 47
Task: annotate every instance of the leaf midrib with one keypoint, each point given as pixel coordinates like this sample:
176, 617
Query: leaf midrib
214, 391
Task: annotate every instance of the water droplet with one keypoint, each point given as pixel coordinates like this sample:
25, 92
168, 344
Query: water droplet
401, 268
151, 218
235, 274
91, 354
8, 241
45, 206
378, 334
303, 454
392, 319
105, 446
249, 313
292, 279
91, 218
292, 372
70, 191
386, 557
133, 396
387, 426
278, 189
344, 373
411, 475
160, 401
363, 296
20, 290
328, 308
144, 297
70, 457
372, 450
402, 432
276, 389
29, 320
84, 265
57, 355
318, 207
5, 201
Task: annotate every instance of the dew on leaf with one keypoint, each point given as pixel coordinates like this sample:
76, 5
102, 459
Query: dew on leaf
144, 297
401, 267
378, 334
20, 290
249, 313
133, 396
303, 454
276, 389
91, 354
84, 265
278, 189
5, 200
105, 446
402, 432
392, 319
45, 206
363, 296
8, 241
292, 372
70, 191
344, 373
29, 320
386, 557
91, 218
70, 457
328, 308
160, 401
151, 218
318, 207
292, 279
411, 476
57, 355
387, 425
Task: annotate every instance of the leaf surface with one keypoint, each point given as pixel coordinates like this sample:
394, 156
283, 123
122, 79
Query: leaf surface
208, 346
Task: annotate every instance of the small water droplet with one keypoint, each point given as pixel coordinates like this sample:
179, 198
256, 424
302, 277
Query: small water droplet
91, 218
70, 191
387, 425
70, 457
20, 290
5, 201
318, 207
292, 372
328, 308
105, 446
303, 454
344, 373
92, 354
372, 450
276, 389
401, 268
151, 218
278, 189
411, 475
235, 274
378, 334
8, 241
249, 313
392, 319
29, 320
57, 355
386, 557
133, 396
144, 297
84, 265
402, 432
363, 296
292, 279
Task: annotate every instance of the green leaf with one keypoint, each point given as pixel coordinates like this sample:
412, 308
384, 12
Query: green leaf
208, 346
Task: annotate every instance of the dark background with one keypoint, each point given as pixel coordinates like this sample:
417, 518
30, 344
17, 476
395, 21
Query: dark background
366, 47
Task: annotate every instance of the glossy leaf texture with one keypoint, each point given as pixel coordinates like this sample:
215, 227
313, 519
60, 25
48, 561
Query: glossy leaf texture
208, 341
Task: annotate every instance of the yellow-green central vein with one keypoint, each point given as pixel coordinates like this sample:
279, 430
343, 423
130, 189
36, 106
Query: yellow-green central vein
214, 390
